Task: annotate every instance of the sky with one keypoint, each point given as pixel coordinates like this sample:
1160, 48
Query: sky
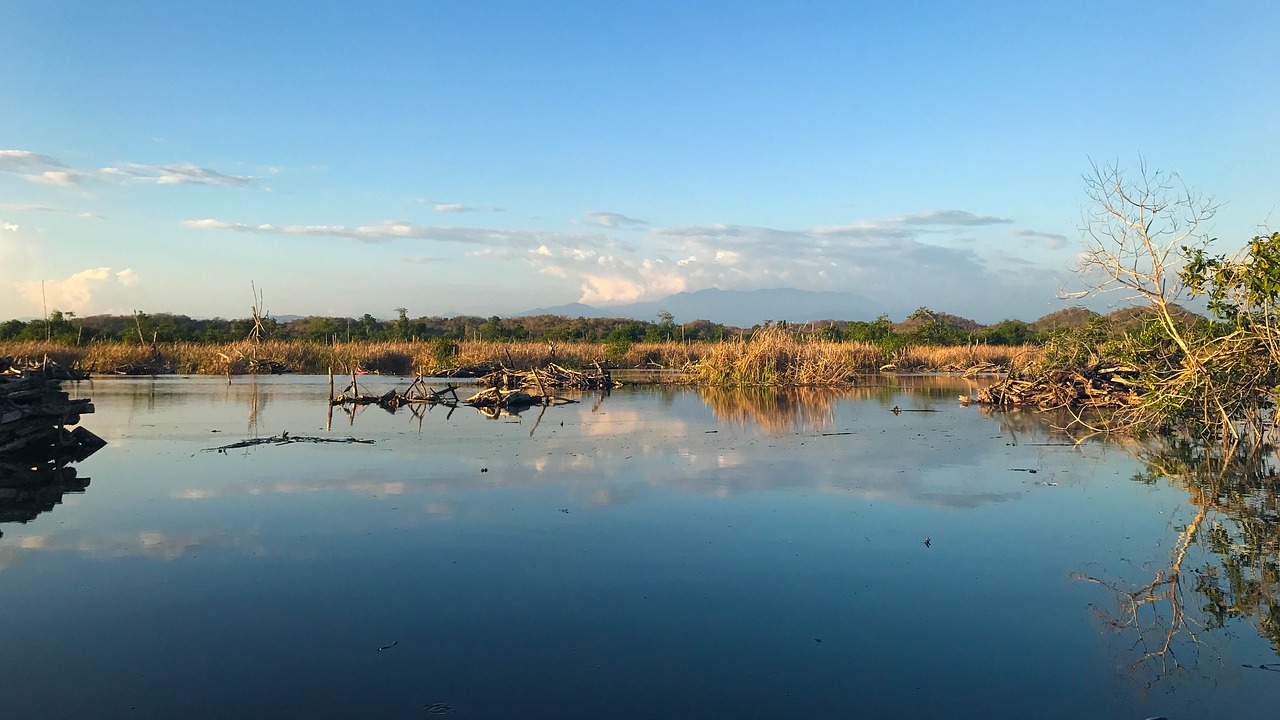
494, 157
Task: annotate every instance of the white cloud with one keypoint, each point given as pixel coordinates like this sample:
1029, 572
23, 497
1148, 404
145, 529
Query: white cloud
75, 293
44, 169
8, 226
57, 177
457, 207
31, 207
613, 220
388, 230
175, 174
929, 257
1053, 241
951, 217
26, 162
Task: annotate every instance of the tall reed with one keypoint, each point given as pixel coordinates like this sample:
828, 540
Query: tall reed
771, 356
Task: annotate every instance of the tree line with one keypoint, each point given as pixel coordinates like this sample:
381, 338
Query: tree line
923, 327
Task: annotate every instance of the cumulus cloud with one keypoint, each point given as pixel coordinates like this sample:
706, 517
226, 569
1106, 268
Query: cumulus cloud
895, 260
74, 293
451, 208
58, 177
1053, 241
50, 171
929, 257
613, 220
8, 227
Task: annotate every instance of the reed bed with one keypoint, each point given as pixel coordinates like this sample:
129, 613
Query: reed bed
773, 356
963, 358
769, 357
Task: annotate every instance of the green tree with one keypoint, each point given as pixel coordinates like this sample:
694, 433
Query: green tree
402, 322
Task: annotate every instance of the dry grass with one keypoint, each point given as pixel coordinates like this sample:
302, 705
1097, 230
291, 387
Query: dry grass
959, 358
773, 356
770, 357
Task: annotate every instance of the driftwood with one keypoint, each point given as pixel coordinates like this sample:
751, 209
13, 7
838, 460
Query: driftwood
1095, 387
285, 438
507, 390
259, 366
551, 376
512, 399
36, 441
46, 368
155, 364
418, 393
35, 414
470, 371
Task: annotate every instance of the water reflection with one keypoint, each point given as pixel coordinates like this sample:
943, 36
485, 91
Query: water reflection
783, 410
628, 546
774, 410
27, 491
35, 479
1223, 565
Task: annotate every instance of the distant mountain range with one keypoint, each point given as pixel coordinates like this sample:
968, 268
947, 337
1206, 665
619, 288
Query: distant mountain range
740, 308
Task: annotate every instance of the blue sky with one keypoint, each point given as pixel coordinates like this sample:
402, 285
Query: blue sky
494, 157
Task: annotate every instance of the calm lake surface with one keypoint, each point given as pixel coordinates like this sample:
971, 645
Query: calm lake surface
660, 553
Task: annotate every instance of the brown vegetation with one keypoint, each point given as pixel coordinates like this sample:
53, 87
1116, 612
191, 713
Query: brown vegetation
770, 356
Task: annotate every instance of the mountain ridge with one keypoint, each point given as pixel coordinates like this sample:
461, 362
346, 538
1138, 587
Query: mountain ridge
740, 308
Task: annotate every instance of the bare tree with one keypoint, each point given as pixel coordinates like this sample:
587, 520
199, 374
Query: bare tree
1135, 234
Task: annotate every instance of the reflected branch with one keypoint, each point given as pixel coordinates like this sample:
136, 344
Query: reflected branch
1230, 549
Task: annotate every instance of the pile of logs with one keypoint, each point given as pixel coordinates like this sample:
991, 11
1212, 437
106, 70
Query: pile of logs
50, 369
155, 364
507, 390
259, 366
34, 416
35, 445
514, 400
1095, 387
552, 376
418, 393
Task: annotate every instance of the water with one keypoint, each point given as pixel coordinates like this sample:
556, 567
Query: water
662, 553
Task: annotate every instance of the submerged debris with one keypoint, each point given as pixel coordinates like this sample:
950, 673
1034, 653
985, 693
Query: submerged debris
285, 438
505, 390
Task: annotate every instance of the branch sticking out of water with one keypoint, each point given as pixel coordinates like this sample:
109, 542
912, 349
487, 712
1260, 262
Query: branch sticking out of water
285, 438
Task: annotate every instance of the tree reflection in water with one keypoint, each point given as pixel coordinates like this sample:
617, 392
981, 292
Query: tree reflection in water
1223, 566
